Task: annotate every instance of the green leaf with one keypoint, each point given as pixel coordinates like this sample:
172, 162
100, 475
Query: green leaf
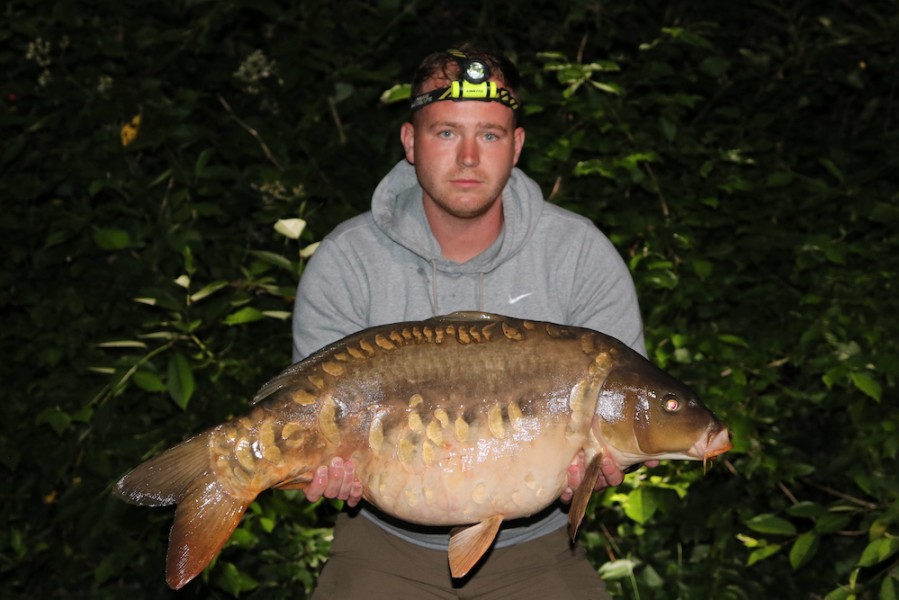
343, 90
803, 549
714, 66
762, 553
552, 55
832, 169
111, 238
878, 551
202, 161
247, 314
663, 279
733, 340
112, 564
243, 537
617, 569
58, 420
274, 259
651, 578
180, 380
233, 581
149, 382
683, 35
98, 185
702, 268
208, 290
608, 87
807, 509
831, 523
669, 128
888, 589
779, 179
844, 592
267, 524
866, 384
122, 344
83, 414
398, 93
281, 315
833, 375
641, 504
771, 524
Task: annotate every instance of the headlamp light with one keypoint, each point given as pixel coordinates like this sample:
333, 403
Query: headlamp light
475, 71
471, 85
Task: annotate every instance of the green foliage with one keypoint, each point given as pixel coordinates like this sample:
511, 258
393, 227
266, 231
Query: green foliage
164, 173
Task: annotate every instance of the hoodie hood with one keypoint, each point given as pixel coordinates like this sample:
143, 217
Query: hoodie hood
398, 211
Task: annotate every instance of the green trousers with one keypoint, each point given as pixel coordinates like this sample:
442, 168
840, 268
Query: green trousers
368, 563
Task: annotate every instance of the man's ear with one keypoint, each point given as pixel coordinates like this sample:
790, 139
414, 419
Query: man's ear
407, 137
519, 143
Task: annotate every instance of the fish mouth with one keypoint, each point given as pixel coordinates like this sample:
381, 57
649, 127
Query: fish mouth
716, 443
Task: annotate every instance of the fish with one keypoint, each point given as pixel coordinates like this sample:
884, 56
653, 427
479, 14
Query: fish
465, 420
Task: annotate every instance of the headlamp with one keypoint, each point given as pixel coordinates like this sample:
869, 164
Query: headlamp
471, 85
475, 71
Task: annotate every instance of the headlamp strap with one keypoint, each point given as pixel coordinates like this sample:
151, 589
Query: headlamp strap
472, 85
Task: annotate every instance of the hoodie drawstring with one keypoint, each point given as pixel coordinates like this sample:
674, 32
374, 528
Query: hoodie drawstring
435, 303
481, 291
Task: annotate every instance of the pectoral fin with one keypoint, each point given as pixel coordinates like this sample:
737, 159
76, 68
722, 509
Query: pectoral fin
582, 495
467, 545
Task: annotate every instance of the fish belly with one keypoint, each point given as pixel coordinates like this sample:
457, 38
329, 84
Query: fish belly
458, 483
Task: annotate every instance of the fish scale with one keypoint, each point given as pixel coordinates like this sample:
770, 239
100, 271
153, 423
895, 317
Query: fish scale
469, 419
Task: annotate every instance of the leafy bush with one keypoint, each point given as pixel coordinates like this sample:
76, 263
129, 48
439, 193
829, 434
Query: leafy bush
158, 167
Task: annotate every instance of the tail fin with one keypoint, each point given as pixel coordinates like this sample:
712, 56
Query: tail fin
207, 513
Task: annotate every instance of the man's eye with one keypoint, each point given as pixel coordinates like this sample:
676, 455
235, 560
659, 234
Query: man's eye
491, 137
446, 133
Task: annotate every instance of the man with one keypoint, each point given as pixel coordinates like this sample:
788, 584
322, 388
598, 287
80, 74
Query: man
456, 226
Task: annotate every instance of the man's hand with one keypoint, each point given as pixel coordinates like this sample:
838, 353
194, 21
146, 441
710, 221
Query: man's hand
611, 475
335, 481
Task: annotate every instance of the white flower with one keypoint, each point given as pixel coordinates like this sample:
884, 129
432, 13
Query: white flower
291, 228
254, 69
308, 250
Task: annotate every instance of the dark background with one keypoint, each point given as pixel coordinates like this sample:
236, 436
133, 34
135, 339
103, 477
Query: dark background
741, 156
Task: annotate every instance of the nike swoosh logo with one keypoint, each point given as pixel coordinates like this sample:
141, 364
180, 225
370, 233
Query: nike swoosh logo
517, 298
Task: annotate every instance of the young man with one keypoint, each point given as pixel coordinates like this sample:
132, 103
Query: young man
456, 226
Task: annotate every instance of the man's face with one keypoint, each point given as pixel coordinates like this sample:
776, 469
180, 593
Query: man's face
463, 152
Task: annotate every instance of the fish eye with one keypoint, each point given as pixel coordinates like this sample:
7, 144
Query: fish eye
672, 404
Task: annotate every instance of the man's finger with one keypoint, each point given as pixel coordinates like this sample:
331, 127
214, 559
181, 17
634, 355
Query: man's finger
610, 471
317, 486
355, 494
335, 478
349, 478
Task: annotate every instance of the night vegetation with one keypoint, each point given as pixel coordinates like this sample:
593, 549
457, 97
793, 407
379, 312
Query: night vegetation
166, 168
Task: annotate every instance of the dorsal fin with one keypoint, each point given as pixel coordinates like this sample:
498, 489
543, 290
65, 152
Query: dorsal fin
469, 315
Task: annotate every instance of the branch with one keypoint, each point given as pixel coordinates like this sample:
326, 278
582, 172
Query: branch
841, 495
251, 131
337, 121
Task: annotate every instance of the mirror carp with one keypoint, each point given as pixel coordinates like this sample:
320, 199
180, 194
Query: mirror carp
464, 420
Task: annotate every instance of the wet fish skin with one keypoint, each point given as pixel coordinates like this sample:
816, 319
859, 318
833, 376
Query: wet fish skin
470, 418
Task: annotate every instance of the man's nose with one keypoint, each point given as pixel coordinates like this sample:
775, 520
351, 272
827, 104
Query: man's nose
468, 153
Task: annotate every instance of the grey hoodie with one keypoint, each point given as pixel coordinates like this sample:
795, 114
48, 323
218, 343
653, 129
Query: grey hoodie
385, 266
